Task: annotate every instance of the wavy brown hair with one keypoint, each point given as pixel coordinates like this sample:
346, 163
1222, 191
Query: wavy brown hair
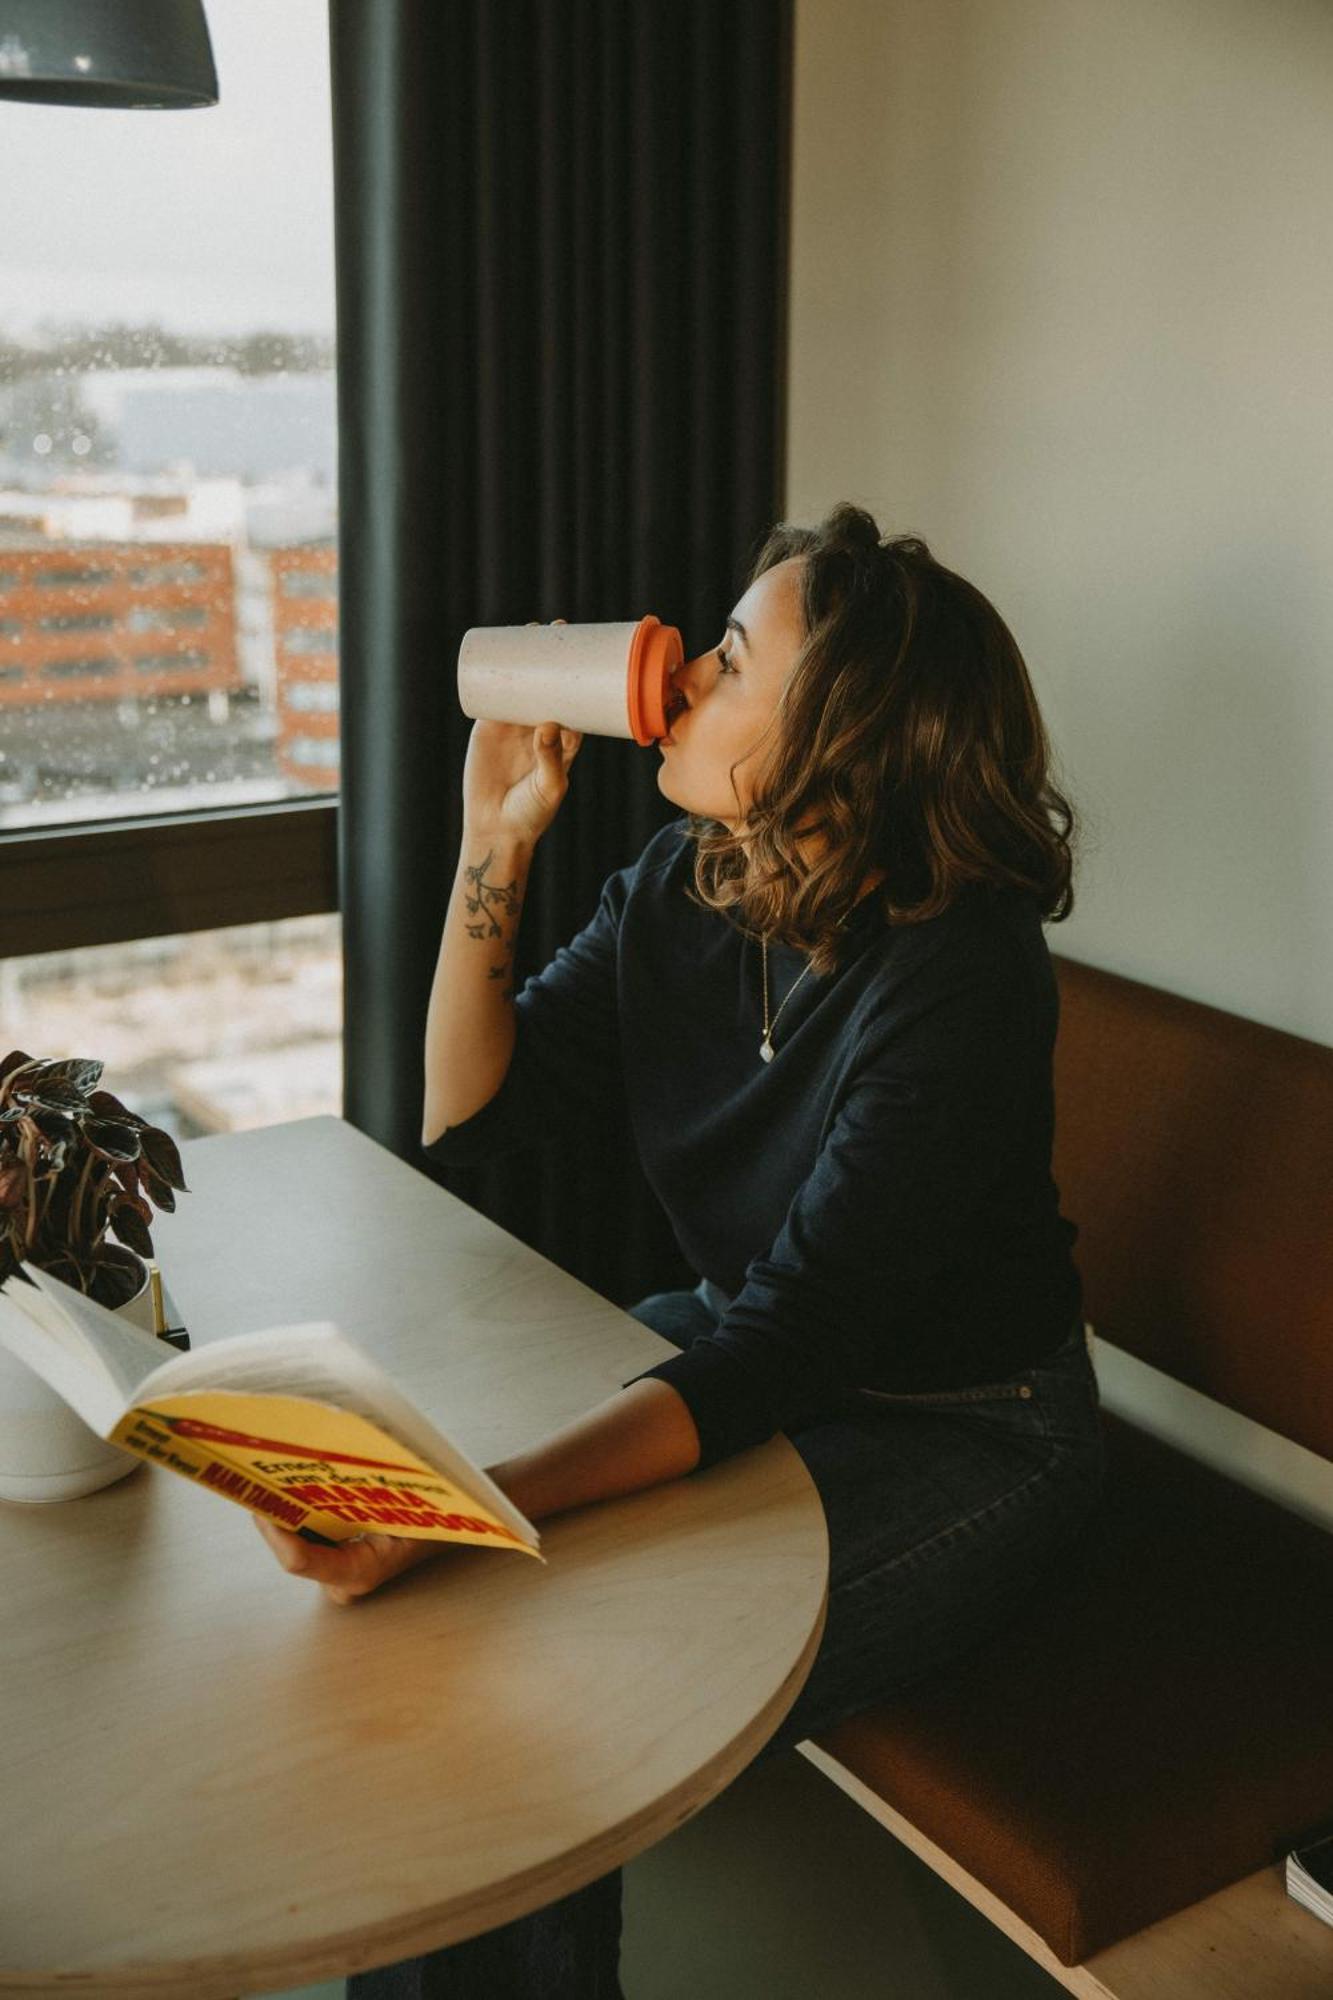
906, 736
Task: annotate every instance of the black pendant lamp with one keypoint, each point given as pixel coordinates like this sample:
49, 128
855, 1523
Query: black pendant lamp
125, 55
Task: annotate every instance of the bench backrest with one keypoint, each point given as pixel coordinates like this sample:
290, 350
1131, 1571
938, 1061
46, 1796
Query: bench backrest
1194, 1149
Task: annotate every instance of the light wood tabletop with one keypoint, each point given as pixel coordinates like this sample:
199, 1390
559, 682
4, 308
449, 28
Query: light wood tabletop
215, 1781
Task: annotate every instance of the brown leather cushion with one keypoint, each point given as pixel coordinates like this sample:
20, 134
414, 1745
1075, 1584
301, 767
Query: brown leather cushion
1159, 1727
1194, 1150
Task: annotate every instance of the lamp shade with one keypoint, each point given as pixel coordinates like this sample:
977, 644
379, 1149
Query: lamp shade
151, 55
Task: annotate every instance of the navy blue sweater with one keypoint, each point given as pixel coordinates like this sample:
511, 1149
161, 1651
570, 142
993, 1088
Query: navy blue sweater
876, 1202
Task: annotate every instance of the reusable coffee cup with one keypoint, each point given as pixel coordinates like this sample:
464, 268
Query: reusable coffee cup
604, 680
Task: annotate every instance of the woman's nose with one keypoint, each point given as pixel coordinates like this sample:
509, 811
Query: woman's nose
684, 678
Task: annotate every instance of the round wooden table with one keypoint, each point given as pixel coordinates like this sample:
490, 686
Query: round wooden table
214, 1781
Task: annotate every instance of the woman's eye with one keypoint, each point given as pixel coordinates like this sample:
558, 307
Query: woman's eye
724, 660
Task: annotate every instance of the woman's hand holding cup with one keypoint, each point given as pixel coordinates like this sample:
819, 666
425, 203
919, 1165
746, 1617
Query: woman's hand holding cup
515, 777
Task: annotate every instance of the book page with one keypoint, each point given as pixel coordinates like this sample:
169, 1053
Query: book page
318, 1361
88, 1390
99, 1357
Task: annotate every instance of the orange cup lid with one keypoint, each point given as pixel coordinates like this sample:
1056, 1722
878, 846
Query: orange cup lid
656, 650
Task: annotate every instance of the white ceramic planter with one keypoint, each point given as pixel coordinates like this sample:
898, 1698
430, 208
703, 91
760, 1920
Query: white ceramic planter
46, 1451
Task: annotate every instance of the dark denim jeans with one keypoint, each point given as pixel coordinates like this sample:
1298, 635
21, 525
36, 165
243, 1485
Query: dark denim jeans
945, 1513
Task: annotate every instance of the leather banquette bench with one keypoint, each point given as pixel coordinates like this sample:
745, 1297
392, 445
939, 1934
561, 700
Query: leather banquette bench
1114, 1779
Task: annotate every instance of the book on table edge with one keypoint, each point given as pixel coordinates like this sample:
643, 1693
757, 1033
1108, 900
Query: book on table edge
293, 1422
1310, 1874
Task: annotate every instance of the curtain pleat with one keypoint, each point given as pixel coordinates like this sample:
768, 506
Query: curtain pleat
561, 231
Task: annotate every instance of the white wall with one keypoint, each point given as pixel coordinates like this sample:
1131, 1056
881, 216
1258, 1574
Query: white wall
1062, 303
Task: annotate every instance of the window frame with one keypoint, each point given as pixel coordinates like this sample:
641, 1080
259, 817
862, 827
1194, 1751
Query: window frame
111, 881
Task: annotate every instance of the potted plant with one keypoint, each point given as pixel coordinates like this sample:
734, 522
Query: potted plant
76, 1170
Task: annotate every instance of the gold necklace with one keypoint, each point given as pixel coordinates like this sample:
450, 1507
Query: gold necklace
766, 1046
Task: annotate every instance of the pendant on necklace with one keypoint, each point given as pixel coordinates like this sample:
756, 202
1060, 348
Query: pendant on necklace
766, 1050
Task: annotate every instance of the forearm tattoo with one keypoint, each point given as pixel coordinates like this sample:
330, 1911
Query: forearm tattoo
492, 903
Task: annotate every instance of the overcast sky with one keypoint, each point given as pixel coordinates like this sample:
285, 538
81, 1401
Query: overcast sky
210, 220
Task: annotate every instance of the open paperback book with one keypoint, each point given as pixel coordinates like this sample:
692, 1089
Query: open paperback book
295, 1422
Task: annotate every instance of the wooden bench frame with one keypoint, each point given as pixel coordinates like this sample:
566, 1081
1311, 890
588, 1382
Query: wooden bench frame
1251, 1941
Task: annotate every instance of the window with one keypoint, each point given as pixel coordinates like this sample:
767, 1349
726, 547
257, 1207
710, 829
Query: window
314, 750
168, 501
168, 443
74, 621
306, 583
320, 696
307, 639
142, 618
210, 1032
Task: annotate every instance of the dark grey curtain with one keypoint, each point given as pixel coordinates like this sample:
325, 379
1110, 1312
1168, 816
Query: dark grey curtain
561, 233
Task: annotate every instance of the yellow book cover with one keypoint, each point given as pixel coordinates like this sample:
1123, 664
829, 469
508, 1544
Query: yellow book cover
295, 1422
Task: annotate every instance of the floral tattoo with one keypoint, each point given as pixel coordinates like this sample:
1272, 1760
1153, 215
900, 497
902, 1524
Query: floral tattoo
491, 902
